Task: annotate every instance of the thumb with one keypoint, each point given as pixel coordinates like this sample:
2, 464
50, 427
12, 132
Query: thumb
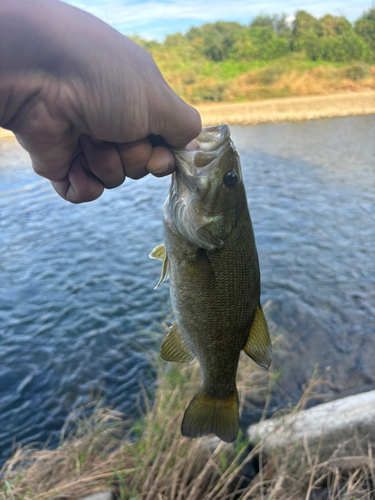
173, 119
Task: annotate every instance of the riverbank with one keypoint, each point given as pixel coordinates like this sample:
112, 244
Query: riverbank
280, 110
151, 460
289, 109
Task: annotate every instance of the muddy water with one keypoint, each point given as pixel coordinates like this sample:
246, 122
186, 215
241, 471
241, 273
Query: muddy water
78, 313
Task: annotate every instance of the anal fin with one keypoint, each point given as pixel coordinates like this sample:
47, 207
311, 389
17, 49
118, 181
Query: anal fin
258, 345
174, 347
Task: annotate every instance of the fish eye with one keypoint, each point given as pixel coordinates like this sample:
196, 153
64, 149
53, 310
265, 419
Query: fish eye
230, 178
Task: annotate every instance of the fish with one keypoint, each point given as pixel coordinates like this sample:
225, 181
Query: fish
210, 257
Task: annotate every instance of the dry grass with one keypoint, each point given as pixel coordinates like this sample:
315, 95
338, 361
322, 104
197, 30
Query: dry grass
323, 80
151, 461
273, 81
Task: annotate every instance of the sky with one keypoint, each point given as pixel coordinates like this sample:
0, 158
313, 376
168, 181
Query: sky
154, 19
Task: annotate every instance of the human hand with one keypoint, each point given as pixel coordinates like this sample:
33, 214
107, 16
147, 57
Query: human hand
83, 99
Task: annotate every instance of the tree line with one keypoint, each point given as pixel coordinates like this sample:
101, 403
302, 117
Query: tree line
268, 37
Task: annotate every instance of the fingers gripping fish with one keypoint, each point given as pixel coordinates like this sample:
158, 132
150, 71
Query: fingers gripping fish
211, 259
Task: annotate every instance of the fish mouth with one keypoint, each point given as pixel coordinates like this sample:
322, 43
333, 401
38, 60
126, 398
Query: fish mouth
201, 155
210, 139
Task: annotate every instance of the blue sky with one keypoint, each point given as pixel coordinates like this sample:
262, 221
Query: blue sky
154, 19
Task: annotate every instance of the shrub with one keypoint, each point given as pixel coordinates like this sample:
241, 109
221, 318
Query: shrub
358, 71
270, 75
344, 48
209, 93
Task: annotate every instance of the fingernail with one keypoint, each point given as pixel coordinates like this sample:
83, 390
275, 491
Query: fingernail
193, 146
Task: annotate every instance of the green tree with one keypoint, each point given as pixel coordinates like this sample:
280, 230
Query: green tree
303, 32
365, 28
175, 40
332, 26
216, 39
259, 44
263, 21
277, 22
330, 38
344, 48
303, 23
312, 45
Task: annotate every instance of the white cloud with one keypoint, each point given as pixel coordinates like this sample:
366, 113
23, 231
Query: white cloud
290, 19
128, 15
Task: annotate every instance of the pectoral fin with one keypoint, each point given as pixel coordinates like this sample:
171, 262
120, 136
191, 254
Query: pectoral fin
160, 254
258, 345
174, 347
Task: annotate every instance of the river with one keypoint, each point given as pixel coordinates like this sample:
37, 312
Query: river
78, 313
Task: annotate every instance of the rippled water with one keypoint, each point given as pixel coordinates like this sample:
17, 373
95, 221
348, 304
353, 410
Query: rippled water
77, 305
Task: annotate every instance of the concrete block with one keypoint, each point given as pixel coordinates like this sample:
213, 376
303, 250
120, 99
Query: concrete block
342, 427
103, 495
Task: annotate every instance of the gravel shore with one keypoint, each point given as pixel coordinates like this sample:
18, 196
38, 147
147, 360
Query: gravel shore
288, 109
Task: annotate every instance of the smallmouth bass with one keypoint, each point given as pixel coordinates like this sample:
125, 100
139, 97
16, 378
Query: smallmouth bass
210, 257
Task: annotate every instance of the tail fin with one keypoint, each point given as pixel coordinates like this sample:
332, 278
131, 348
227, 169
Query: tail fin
208, 415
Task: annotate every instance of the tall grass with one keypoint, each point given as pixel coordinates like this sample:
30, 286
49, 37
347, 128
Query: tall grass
149, 460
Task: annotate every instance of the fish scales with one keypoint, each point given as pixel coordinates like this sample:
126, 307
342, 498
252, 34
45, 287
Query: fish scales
199, 288
210, 255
